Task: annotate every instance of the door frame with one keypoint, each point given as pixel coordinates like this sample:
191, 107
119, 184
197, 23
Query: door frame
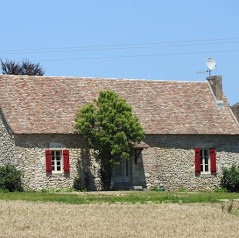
125, 171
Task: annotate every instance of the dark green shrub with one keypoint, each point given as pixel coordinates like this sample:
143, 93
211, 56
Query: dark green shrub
78, 184
230, 179
10, 178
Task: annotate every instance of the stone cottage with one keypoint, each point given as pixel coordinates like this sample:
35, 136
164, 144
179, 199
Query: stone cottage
191, 132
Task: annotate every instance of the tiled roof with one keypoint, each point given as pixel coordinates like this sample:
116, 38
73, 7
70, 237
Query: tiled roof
34, 104
235, 109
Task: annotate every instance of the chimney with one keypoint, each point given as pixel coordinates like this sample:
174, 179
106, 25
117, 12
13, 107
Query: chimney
216, 86
235, 110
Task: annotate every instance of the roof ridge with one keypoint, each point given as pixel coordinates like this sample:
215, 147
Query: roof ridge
103, 78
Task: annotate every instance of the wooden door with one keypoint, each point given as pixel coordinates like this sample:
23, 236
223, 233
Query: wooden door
122, 172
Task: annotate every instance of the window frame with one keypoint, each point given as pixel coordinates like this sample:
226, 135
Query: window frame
61, 161
64, 161
203, 163
212, 161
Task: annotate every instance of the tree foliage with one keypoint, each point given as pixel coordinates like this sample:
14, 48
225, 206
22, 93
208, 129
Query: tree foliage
23, 68
230, 179
111, 129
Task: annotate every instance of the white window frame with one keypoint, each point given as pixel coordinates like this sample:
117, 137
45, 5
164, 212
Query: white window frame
203, 161
54, 165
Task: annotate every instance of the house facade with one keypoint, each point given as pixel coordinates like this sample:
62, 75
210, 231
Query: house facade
191, 132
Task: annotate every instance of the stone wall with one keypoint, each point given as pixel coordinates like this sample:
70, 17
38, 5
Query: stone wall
169, 160
235, 109
6, 142
30, 157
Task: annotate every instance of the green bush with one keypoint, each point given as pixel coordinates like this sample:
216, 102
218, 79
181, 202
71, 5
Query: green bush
230, 179
78, 184
10, 178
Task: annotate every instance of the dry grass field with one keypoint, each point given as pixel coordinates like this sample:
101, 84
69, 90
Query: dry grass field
49, 220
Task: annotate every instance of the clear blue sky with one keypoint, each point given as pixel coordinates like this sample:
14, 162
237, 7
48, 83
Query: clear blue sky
154, 39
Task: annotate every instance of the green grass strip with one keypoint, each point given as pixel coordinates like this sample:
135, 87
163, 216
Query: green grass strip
132, 197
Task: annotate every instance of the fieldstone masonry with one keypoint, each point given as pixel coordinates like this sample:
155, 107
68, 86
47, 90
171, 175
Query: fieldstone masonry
216, 86
6, 142
235, 109
168, 162
30, 153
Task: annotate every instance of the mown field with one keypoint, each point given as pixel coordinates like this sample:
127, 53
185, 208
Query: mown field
103, 215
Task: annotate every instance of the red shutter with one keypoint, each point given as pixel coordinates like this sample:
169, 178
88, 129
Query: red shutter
66, 161
197, 161
48, 161
213, 161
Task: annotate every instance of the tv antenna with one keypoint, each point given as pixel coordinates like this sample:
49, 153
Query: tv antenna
211, 65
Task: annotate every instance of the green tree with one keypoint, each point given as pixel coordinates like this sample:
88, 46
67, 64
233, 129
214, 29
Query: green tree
110, 129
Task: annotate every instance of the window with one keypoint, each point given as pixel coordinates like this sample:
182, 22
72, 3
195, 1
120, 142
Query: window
205, 161
57, 161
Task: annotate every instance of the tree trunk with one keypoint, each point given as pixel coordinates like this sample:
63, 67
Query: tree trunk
106, 174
